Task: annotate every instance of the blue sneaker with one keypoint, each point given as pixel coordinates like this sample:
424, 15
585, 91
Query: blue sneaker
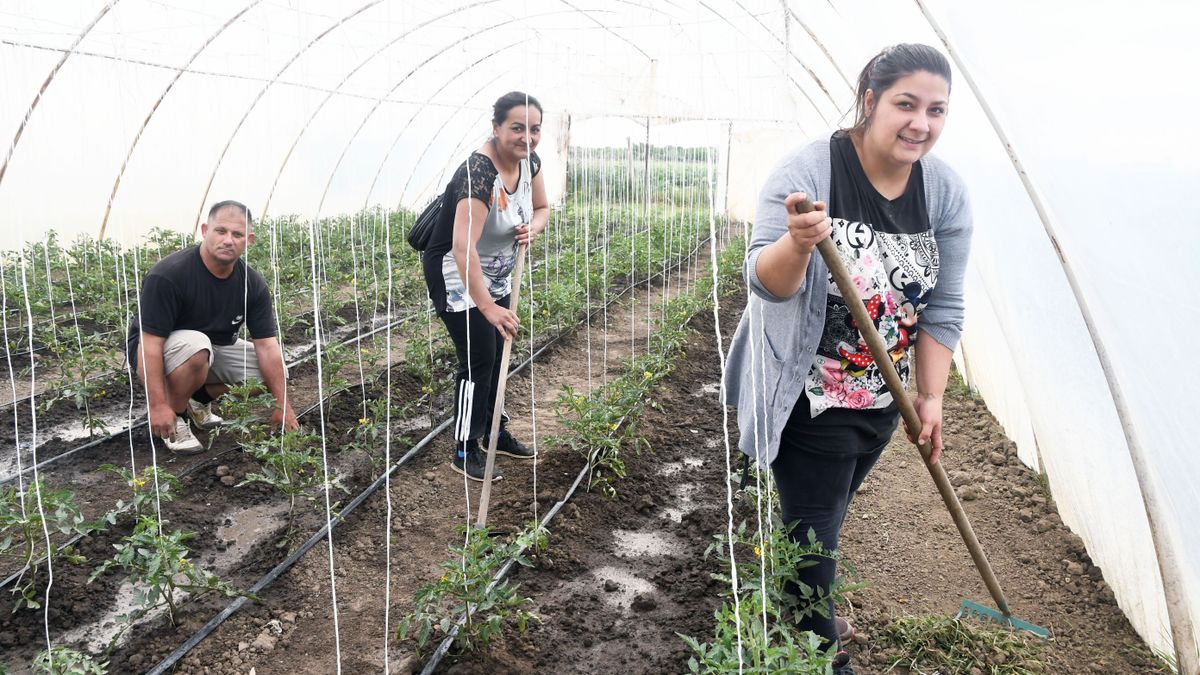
472, 462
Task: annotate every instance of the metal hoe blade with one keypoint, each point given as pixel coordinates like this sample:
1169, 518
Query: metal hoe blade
975, 610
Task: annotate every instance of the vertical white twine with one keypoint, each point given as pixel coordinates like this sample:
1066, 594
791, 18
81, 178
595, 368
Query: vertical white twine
387, 454
12, 383
33, 444
712, 231
337, 638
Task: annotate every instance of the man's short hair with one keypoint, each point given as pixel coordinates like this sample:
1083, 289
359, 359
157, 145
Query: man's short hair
228, 203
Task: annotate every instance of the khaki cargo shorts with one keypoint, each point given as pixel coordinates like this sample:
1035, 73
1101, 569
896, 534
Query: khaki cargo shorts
232, 364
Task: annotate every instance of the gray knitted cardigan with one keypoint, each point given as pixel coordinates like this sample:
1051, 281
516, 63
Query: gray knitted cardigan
772, 349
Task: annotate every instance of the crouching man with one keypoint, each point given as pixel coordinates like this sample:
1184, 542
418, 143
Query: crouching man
185, 347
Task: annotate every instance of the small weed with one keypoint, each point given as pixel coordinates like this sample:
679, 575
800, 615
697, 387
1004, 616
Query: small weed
957, 387
66, 661
467, 588
23, 541
156, 564
943, 644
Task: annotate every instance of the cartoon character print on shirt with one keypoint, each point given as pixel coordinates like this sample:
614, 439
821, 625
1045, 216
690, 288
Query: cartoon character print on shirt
893, 275
497, 272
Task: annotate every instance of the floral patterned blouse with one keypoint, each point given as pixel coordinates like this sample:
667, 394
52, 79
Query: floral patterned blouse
890, 251
497, 247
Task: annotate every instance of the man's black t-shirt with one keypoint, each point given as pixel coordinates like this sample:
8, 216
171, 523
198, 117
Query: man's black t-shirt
180, 293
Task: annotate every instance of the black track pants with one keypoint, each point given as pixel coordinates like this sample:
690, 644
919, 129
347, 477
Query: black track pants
820, 464
478, 370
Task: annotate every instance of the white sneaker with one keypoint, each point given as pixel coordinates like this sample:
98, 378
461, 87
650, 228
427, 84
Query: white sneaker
183, 442
202, 415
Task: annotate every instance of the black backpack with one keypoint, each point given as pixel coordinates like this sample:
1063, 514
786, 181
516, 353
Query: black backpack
426, 223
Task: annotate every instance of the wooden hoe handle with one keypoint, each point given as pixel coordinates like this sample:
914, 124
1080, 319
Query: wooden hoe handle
485, 493
833, 260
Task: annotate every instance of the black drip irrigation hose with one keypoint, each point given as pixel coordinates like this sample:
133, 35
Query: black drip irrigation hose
29, 351
316, 538
435, 659
183, 474
141, 422
116, 372
233, 607
24, 400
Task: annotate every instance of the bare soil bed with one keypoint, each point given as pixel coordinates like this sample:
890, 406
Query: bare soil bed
622, 576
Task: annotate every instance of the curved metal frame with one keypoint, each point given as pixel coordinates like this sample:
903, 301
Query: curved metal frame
261, 93
387, 155
46, 85
154, 108
320, 106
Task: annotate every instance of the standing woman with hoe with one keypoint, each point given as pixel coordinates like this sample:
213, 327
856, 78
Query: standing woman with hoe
500, 207
811, 402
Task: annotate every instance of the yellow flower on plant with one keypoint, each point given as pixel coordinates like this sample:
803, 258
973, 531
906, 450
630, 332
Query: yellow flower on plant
647, 375
615, 425
139, 483
758, 551
362, 420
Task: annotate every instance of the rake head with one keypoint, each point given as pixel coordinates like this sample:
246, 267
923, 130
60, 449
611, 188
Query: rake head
975, 610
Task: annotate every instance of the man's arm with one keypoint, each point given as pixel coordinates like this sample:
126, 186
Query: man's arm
161, 415
270, 364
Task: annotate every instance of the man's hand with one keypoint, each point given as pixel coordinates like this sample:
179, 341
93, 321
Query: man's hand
162, 420
285, 417
929, 409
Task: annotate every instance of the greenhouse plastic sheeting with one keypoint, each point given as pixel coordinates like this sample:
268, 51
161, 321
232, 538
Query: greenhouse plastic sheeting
320, 108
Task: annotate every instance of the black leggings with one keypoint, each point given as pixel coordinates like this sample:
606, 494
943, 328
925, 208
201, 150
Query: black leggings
481, 367
820, 464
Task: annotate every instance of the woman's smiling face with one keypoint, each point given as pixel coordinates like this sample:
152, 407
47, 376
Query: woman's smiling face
520, 132
906, 119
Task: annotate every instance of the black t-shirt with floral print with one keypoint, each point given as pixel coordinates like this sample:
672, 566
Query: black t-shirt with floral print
889, 249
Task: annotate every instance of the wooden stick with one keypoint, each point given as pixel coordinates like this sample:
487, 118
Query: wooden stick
485, 494
833, 260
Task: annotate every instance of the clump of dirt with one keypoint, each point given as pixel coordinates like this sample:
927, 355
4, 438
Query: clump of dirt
623, 576
610, 608
902, 540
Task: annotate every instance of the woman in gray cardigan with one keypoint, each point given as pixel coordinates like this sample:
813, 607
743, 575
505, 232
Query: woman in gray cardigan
811, 403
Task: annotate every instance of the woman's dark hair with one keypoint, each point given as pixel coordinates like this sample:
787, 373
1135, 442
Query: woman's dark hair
889, 65
509, 101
